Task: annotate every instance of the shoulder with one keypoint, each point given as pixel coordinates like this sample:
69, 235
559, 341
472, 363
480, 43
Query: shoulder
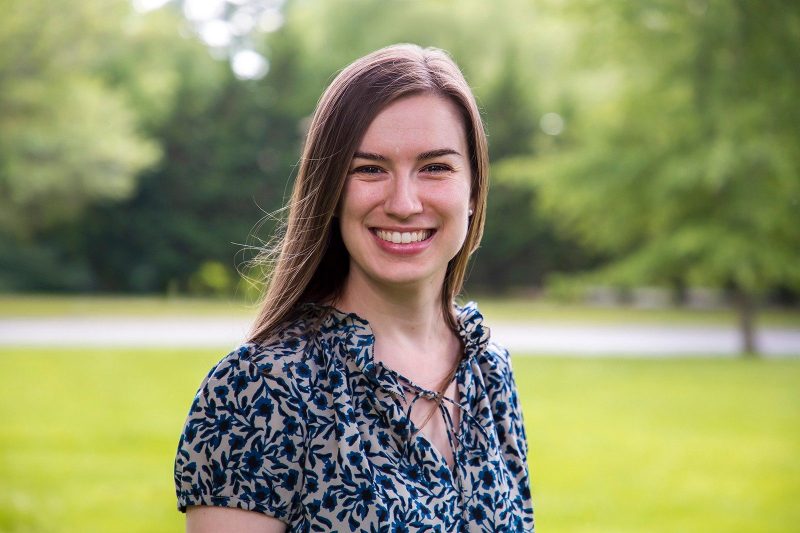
259, 380
243, 437
495, 358
294, 340
288, 354
291, 359
492, 360
491, 356
497, 379
498, 376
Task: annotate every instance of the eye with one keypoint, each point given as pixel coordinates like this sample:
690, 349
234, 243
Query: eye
436, 168
367, 169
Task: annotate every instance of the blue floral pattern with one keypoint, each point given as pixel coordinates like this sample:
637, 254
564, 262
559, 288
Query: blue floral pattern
310, 429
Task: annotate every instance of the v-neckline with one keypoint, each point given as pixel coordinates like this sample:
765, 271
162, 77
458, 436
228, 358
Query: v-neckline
449, 436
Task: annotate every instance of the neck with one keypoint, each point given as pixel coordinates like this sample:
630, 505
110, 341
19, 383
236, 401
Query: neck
409, 327
413, 310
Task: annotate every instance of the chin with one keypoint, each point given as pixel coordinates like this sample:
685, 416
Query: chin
403, 279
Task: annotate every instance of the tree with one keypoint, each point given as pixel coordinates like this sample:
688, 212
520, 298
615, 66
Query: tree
230, 148
520, 247
82, 87
689, 170
67, 136
113, 215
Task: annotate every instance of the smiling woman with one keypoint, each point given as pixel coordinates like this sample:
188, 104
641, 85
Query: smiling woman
365, 398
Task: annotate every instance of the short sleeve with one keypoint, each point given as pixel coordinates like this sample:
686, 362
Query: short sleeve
241, 445
510, 426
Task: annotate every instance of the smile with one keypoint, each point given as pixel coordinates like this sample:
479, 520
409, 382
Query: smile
403, 237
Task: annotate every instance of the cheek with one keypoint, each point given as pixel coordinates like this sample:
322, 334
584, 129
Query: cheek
453, 199
357, 199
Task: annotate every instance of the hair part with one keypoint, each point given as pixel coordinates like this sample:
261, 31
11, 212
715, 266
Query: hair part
311, 262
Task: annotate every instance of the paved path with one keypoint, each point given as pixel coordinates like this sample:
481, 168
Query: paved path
576, 339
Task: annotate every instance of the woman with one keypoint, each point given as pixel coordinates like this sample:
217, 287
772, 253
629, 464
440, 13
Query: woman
365, 399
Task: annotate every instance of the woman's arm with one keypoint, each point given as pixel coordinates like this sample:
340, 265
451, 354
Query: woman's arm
207, 519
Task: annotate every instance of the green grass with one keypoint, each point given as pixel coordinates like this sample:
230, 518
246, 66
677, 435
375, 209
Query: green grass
44, 305
495, 309
663, 445
621, 445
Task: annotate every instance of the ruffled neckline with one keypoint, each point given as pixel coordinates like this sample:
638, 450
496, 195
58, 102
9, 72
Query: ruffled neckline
353, 336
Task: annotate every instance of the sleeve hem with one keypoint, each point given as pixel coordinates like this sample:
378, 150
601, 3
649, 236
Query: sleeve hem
231, 502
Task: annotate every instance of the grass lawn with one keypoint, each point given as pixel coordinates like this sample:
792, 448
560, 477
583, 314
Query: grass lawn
495, 309
46, 305
616, 445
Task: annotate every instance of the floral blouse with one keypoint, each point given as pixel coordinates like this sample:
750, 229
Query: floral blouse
310, 429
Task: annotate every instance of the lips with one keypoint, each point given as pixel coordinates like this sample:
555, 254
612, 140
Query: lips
403, 237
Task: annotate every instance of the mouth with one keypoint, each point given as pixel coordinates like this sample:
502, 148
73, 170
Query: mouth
403, 237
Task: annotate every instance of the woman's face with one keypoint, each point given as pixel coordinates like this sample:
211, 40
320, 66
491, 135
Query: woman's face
405, 209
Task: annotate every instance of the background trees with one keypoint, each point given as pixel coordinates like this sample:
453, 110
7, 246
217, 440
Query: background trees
687, 171
653, 142
82, 85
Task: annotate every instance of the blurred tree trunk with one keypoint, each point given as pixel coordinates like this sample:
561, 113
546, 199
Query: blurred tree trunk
746, 309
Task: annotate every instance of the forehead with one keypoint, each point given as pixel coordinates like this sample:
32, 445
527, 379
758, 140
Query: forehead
416, 124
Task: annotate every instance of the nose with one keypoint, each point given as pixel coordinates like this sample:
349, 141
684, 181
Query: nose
402, 200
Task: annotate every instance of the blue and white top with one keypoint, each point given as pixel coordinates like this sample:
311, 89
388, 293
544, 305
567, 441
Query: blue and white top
310, 429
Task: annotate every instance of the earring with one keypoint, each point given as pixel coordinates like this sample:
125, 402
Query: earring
470, 213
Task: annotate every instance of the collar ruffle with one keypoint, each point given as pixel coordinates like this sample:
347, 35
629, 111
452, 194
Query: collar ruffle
352, 336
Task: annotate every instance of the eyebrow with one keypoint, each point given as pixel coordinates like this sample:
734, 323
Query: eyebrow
430, 154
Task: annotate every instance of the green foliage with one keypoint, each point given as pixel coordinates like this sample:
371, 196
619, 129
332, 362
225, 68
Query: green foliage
83, 87
212, 278
129, 157
77, 144
40, 266
509, 116
520, 247
690, 170
67, 137
231, 148
89, 437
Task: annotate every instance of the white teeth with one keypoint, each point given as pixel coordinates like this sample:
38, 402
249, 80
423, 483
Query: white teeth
405, 237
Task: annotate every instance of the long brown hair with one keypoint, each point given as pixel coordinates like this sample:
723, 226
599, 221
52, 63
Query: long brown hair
311, 263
